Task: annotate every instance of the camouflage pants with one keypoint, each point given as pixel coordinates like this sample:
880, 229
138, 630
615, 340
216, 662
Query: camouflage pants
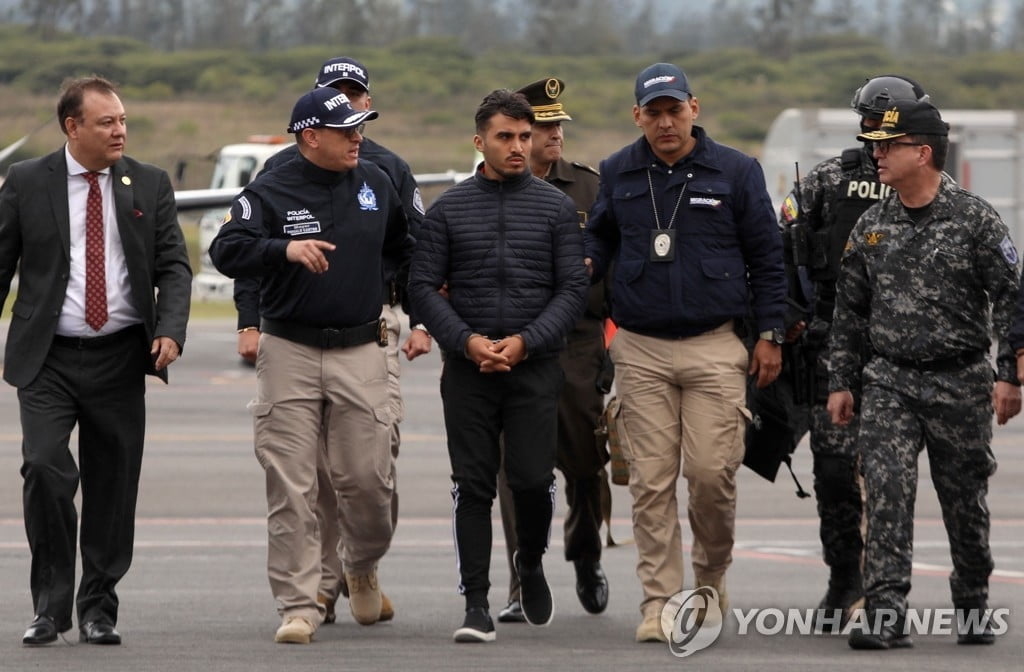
950, 415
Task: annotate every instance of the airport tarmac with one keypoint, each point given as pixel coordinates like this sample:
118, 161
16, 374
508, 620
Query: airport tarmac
197, 598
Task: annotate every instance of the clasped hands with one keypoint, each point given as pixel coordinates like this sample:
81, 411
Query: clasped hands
495, 356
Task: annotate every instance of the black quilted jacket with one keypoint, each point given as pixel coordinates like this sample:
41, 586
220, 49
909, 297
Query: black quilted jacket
512, 255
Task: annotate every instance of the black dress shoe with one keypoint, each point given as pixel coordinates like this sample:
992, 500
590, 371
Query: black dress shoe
42, 630
96, 632
512, 613
591, 585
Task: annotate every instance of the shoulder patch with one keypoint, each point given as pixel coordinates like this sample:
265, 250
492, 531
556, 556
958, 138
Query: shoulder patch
246, 208
417, 201
583, 166
1008, 251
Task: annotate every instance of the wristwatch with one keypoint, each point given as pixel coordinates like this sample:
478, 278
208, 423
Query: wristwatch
776, 336
422, 327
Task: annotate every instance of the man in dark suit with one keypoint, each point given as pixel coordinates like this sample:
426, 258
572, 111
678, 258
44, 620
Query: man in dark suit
103, 299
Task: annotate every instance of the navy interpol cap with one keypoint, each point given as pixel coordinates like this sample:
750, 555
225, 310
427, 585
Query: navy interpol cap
343, 68
661, 79
908, 117
326, 108
543, 97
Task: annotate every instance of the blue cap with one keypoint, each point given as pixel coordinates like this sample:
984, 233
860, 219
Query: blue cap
661, 79
326, 108
343, 68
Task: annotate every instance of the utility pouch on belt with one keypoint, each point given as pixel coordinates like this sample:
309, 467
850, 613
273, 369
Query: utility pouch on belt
611, 430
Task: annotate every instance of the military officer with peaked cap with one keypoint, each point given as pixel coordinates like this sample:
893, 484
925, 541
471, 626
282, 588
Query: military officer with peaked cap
581, 457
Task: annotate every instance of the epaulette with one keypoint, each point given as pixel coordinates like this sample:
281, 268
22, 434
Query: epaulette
585, 167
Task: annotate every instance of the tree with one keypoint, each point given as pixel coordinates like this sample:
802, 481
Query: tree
783, 23
46, 15
922, 25
1016, 41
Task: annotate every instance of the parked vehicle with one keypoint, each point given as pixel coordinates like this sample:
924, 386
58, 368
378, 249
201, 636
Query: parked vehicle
237, 165
986, 153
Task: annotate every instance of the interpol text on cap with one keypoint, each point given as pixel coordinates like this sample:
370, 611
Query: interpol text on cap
343, 68
326, 108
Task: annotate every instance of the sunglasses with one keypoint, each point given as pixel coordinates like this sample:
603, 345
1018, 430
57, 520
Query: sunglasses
883, 146
351, 132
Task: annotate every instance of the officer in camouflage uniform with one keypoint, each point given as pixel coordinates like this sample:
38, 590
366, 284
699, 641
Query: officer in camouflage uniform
922, 270
816, 221
581, 456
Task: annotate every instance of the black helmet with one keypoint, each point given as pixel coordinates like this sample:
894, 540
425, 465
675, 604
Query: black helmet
879, 93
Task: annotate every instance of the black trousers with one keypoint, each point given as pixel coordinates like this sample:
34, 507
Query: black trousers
581, 455
478, 407
100, 386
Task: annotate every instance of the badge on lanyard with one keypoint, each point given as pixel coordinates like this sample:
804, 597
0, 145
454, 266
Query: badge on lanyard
663, 244
663, 241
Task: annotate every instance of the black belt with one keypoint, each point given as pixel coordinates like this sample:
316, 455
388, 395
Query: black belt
344, 337
953, 363
92, 342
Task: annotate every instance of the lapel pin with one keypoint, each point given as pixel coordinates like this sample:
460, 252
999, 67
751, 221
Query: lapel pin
126, 181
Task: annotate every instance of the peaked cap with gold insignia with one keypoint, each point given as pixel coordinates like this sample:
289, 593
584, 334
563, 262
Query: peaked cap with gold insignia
543, 96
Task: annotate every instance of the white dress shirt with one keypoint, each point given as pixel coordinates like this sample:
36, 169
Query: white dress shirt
120, 311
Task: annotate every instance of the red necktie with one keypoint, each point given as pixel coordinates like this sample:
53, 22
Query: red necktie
95, 274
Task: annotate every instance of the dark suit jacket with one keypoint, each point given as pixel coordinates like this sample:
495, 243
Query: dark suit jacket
35, 230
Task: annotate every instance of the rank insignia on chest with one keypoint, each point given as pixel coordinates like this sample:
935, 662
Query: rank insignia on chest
873, 237
367, 198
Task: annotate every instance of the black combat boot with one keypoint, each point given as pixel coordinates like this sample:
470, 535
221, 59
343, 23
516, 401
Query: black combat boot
845, 586
974, 624
879, 630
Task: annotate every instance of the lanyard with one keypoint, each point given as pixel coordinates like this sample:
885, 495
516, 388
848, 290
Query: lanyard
654, 203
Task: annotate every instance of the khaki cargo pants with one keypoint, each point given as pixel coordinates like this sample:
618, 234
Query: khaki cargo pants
683, 405
343, 392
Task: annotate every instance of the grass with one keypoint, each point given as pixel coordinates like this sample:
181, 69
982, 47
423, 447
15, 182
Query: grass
159, 139
212, 310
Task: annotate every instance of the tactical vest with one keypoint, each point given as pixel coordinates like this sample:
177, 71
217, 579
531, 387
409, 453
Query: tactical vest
858, 191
